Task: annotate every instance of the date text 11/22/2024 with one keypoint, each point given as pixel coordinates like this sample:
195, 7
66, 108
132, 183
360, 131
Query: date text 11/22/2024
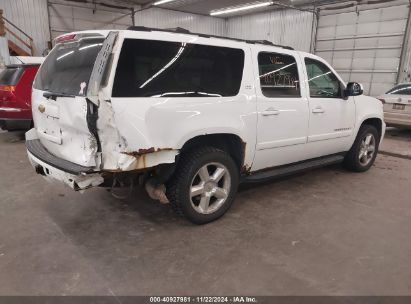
200, 299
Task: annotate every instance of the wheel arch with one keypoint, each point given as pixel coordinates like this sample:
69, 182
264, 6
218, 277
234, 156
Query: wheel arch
376, 122
228, 142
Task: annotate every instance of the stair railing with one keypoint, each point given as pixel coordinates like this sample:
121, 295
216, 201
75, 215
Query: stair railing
16, 35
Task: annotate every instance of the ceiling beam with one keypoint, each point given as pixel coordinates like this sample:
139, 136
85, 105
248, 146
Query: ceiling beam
293, 7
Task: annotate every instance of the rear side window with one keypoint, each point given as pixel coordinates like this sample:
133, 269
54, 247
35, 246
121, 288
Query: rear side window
402, 89
278, 75
11, 76
148, 68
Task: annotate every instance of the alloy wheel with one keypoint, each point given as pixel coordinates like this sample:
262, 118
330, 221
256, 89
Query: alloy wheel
210, 188
367, 149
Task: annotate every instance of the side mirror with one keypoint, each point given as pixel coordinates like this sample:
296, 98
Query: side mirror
353, 89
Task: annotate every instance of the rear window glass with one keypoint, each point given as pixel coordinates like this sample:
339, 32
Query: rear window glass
67, 69
10, 76
402, 89
148, 68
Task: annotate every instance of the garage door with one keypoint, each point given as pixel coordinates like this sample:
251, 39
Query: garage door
364, 46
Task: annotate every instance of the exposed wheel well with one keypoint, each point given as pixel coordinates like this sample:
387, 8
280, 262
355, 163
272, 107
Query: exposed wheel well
376, 122
230, 143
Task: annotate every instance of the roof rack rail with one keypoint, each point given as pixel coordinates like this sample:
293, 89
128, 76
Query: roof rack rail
178, 30
266, 42
181, 30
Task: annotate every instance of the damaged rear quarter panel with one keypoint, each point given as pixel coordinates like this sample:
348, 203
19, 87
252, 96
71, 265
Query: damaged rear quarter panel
118, 154
138, 133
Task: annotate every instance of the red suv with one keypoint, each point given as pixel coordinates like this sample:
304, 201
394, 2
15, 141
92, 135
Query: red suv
15, 96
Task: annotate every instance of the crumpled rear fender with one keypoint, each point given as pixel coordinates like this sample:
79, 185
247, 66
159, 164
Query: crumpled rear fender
115, 150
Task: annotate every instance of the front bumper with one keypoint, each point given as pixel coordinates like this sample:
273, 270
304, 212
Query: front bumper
56, 169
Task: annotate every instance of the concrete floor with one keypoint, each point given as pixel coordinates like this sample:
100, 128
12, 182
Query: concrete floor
321, 233
397, 143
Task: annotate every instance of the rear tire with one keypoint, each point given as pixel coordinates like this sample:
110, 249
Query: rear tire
362, 154
204, 185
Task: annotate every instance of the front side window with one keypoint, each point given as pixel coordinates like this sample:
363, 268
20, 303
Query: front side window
321, 80
278, 75
149, 68
402, 89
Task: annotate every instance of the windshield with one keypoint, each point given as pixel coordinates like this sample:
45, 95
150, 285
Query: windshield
10, 76
67, 69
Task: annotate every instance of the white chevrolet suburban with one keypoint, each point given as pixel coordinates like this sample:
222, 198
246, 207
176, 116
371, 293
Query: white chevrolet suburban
190, 116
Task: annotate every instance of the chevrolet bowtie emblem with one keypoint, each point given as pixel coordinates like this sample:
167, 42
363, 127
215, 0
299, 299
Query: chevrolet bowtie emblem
42, 108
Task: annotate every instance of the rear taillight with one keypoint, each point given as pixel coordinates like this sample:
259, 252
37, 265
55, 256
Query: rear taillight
7, 93
7, 88
382, 100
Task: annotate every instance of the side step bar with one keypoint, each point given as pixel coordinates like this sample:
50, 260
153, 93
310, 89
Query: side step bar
282, 171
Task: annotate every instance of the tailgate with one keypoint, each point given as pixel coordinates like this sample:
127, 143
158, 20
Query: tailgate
63, 115
62, 128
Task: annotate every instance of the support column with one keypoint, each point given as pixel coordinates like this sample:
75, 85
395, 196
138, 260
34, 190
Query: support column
405, 63
4, 47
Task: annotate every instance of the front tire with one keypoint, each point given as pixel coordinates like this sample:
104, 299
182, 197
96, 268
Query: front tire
204, 185
364, 150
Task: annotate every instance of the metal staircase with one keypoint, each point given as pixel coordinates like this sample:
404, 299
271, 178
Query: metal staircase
19, 42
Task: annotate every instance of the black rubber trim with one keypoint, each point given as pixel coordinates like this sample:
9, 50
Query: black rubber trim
11, 124
92, 116
39, 151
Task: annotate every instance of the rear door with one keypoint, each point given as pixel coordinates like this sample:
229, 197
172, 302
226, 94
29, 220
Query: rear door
282, 108
61, 110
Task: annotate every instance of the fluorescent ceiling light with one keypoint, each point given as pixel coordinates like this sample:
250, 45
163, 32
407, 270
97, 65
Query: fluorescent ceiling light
162, 2
241, 8
64, 55
89, 46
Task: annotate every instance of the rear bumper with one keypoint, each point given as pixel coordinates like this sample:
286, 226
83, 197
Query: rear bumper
15, 124
15, 113
39, 151
397, 119
56, 169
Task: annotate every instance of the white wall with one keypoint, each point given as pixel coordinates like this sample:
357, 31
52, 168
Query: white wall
160, 18
31, 16
284, 27
68, 16
4, 53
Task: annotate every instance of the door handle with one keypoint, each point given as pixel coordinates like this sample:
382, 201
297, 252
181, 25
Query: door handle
270, 111
318, 110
